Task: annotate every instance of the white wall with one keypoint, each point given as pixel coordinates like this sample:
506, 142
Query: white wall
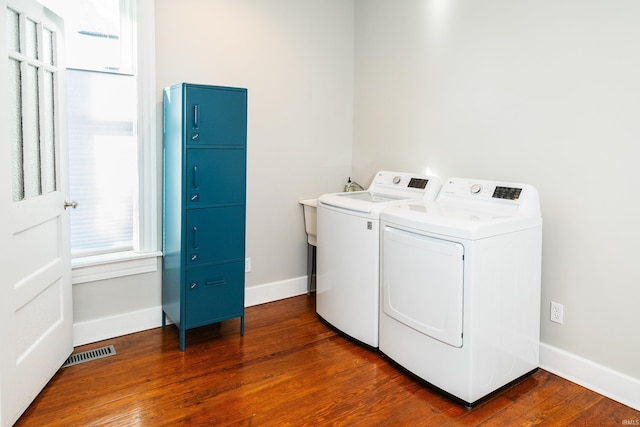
296, 60
117, 306
539, 91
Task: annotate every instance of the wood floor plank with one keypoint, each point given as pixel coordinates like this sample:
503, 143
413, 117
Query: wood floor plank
289, 369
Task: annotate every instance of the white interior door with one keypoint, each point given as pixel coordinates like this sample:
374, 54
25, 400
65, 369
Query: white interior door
35, 292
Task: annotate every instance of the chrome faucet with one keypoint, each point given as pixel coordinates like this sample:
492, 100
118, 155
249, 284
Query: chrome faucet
352, 186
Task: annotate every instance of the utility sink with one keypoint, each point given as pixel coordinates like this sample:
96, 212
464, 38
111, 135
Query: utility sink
310, 210
310, 207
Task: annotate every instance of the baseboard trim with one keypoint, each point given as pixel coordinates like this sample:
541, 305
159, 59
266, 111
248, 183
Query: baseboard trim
115, 326
275, 291
127, 323
601, 379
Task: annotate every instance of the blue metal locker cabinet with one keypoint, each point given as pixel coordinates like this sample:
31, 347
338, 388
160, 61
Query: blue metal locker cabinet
204, 205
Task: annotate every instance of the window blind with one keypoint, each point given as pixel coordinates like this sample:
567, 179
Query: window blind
102, 160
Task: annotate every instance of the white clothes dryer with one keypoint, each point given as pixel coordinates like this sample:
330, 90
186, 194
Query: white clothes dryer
347, 257
460, 286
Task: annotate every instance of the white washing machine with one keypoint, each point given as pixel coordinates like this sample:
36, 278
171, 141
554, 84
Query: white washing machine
460, 286
347, 258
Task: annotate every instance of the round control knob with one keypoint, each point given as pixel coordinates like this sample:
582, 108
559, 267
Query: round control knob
397, 179
476, 188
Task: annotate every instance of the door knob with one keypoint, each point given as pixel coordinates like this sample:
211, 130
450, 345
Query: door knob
72, 204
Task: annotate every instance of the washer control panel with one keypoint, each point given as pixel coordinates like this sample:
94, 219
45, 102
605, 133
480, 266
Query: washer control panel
420, 183
404, 184
399, 179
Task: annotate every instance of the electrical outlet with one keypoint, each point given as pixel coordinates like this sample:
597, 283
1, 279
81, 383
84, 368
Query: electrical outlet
557, 312
247, 265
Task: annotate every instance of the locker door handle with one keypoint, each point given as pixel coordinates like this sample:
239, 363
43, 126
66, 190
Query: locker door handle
195, 176
194, 243
196, 116
219, 281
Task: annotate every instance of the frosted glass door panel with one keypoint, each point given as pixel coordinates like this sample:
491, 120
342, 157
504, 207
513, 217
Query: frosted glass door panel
32, 39
15, 131
33, 130
32, 98
47, 47
48, 136
13, 31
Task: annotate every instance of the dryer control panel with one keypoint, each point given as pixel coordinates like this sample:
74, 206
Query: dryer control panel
509, 193
467, 190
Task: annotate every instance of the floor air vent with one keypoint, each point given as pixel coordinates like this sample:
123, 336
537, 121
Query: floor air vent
89, 355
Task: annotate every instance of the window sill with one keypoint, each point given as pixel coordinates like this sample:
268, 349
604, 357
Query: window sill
109, 266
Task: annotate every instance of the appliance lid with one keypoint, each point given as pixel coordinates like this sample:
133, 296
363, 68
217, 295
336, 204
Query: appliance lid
386, 188
360, 201
369, 196
455, 221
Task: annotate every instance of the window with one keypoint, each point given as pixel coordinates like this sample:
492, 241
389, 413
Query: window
100, 35
101, 98
112, 149
102, 160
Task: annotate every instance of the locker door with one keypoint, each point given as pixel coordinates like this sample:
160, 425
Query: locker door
216, 116
214, 293
214, 235
215, 176
422, 283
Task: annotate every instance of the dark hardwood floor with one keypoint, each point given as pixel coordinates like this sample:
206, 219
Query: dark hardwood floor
289, 369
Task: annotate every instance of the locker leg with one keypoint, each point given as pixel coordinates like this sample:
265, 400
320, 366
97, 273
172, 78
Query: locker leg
242, 325
164, 319
182, 338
